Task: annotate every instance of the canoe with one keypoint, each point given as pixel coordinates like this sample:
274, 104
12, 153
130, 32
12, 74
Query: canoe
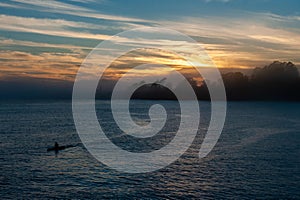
59, 148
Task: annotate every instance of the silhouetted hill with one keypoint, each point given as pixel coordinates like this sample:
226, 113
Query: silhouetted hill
277, 81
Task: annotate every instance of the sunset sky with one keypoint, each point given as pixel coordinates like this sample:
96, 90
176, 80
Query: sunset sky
50, 39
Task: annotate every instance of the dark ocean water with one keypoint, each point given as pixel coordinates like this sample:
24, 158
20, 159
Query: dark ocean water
257, 155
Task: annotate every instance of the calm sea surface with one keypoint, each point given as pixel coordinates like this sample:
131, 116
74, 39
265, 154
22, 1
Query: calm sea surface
257, 155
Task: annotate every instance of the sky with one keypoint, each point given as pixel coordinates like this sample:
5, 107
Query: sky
50, 39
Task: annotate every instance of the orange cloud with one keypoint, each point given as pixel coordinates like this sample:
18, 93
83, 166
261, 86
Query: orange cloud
45, 65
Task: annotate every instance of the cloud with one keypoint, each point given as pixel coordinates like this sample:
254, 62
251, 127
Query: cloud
7, 5
223, 1
69, 9
55, 27
51, 5
87, 1
248, 41
45, 65
11, 42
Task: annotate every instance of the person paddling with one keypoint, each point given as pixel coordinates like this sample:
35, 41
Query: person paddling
56, 147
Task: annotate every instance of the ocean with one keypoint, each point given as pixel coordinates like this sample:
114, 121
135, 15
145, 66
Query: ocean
257, 155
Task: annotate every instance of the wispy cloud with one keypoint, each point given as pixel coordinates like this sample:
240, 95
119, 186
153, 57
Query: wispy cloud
51, 5
4, 42
248, 41
7, 5
55, 27
223, 1
44, 65
69, 9
87, 1
240, 41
